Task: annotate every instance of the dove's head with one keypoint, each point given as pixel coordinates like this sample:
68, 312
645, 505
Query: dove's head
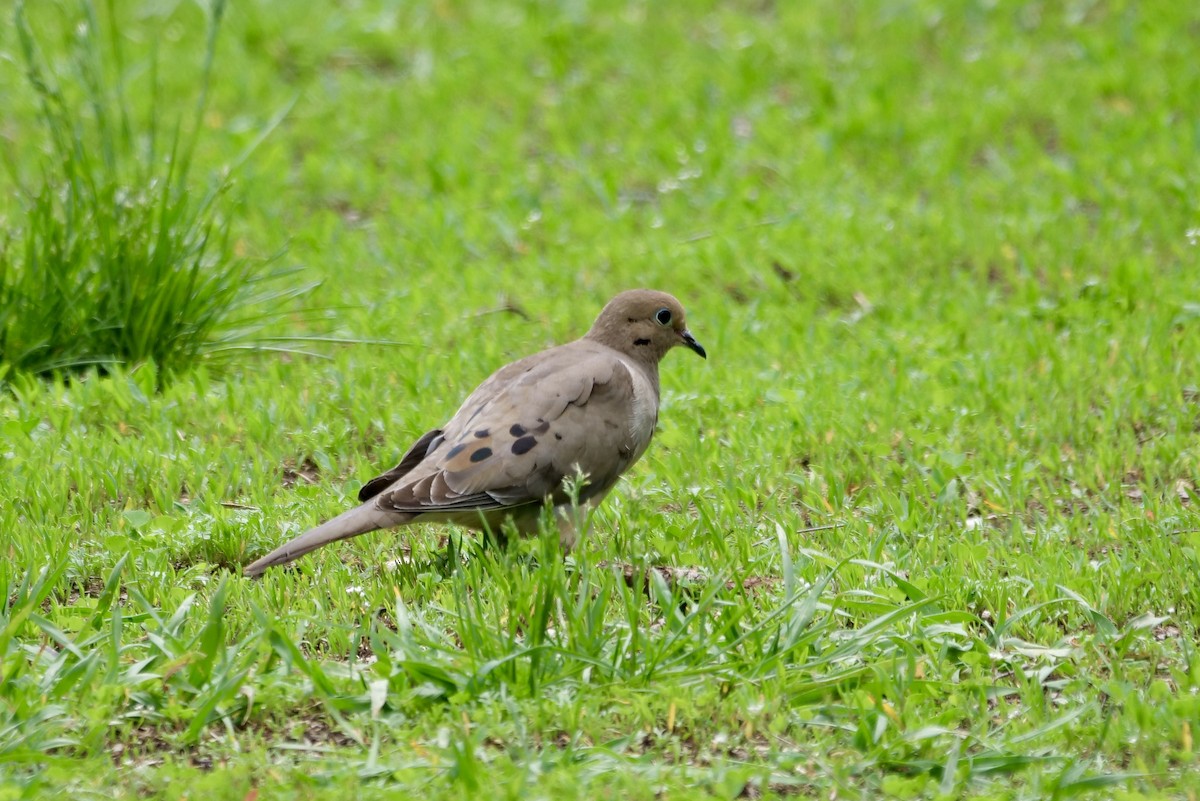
645, 324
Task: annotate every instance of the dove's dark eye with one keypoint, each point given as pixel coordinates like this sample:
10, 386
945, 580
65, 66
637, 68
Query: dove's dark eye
663, 316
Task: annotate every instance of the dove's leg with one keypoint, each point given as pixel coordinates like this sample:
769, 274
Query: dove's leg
575, 521
568, 520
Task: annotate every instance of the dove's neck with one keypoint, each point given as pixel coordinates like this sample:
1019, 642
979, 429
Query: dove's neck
649, 371
643, 357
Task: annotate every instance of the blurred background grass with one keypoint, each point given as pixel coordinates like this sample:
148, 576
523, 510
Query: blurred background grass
943, 257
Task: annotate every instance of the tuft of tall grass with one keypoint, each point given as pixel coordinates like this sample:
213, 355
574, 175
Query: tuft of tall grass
119, 255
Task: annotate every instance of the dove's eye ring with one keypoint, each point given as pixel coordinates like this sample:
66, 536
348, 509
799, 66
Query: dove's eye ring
663, 316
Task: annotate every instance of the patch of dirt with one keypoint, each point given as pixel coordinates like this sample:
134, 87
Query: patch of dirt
1166, 632
145, 747
90, 587
148, 744
683, 577
317, 731
307, 471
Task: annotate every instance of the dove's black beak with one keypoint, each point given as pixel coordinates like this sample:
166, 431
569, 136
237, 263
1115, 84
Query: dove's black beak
691, 342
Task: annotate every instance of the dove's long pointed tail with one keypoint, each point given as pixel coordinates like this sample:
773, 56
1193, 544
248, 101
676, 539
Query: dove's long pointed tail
359, 520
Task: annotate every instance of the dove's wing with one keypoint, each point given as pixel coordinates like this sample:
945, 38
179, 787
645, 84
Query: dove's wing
581, 407
429, 442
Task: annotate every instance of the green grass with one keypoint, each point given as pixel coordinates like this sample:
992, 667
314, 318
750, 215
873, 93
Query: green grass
945, 263
117, 255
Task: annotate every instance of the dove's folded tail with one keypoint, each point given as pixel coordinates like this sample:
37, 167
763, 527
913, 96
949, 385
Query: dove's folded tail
359, 520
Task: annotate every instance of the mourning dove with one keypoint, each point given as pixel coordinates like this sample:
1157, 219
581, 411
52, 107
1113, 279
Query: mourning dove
585, 408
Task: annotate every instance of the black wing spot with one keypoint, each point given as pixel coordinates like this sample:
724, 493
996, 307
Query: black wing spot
482, 433
524, 445
542, 428
455, 451
517, 430
481, 454
557, 435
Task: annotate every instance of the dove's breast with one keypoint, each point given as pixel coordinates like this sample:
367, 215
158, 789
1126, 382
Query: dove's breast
643, 411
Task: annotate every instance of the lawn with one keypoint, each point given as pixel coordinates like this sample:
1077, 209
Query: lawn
926, 523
